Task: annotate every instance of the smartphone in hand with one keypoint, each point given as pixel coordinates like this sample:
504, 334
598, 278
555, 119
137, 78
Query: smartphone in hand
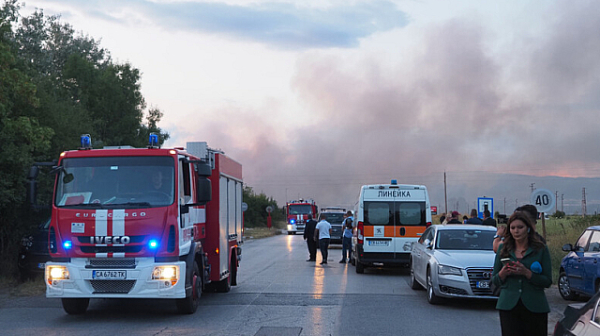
505, 261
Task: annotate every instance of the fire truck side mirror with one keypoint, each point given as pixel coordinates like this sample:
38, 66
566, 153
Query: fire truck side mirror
203, 169
203, 190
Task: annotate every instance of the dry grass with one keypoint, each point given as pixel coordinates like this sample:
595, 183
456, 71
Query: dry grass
32, 287
257, 233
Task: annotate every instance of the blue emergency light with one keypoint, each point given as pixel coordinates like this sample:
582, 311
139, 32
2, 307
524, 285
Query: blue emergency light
153, 244
86, 141
67, 245
153, 140
292, 221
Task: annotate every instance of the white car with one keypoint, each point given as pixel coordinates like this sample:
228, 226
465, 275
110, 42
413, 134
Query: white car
454, 261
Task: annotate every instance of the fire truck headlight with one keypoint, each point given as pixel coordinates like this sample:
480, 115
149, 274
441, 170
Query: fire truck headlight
166, 273
55, 273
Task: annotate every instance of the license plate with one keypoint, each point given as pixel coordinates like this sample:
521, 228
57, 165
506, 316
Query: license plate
483, 284
109, 275
379, 243
41, 265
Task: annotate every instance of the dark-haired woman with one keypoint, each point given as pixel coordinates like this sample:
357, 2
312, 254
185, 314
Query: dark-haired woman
522, 269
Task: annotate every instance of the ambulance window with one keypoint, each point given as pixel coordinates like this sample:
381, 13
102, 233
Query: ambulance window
410, 214
378, 213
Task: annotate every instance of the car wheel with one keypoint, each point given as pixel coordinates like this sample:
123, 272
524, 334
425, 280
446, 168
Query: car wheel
75, 306
564, 288
431, 297
414, 284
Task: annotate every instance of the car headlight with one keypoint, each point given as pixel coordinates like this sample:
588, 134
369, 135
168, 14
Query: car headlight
444, 269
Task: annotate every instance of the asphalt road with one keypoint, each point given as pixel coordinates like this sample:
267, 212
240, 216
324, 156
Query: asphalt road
278, 293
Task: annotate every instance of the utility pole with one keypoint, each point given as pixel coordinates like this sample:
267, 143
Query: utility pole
562, 202
504, 205
445, 195
583, 205
532, 187
556, 204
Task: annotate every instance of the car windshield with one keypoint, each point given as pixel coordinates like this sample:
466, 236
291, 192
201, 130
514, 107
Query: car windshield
465, 239
108, 182
300, 209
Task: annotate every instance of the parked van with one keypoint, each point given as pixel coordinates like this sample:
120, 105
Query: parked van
389, 219
335, 217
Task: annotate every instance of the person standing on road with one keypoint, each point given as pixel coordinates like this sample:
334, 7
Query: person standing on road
454, 218
487, 219
347, 237
531, 211
309, 236
323, 233
522, 269
474, 219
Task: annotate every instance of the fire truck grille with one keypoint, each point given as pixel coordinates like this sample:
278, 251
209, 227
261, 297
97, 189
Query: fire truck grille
112, 249
112, 286
112, 263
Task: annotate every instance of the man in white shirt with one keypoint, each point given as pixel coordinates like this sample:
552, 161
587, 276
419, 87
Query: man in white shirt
323, 233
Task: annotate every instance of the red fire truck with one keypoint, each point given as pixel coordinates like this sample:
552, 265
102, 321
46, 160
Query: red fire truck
144, 223
297, 214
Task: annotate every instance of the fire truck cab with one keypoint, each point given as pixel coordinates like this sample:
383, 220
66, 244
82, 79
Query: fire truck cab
144, 223
297, 214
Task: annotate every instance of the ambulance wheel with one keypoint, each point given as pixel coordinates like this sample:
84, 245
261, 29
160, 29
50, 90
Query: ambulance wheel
189, 304
75, 306
360, 268
431, 297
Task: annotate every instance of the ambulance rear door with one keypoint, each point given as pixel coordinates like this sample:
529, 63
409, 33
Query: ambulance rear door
410, 217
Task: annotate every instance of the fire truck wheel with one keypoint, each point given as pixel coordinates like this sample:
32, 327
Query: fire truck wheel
189, 304
233, 272
224, 285
75, 306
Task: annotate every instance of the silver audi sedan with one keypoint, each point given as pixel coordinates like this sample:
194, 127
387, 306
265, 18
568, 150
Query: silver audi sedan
454, 261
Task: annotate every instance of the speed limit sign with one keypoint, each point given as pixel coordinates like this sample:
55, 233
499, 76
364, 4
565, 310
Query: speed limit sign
543, 199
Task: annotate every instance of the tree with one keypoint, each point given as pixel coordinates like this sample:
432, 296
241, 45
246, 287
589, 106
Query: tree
256, 215
21, 135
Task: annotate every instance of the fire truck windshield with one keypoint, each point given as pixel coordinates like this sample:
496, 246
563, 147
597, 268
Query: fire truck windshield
98, 182
300, 209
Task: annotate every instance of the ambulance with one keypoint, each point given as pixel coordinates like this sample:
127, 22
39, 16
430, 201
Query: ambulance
389, 219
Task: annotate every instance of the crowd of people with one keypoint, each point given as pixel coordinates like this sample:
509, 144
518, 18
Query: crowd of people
522, 267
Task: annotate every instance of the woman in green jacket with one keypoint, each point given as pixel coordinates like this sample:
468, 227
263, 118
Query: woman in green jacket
522, 270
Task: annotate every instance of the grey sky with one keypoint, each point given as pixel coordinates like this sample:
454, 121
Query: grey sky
279, 25
316, 98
